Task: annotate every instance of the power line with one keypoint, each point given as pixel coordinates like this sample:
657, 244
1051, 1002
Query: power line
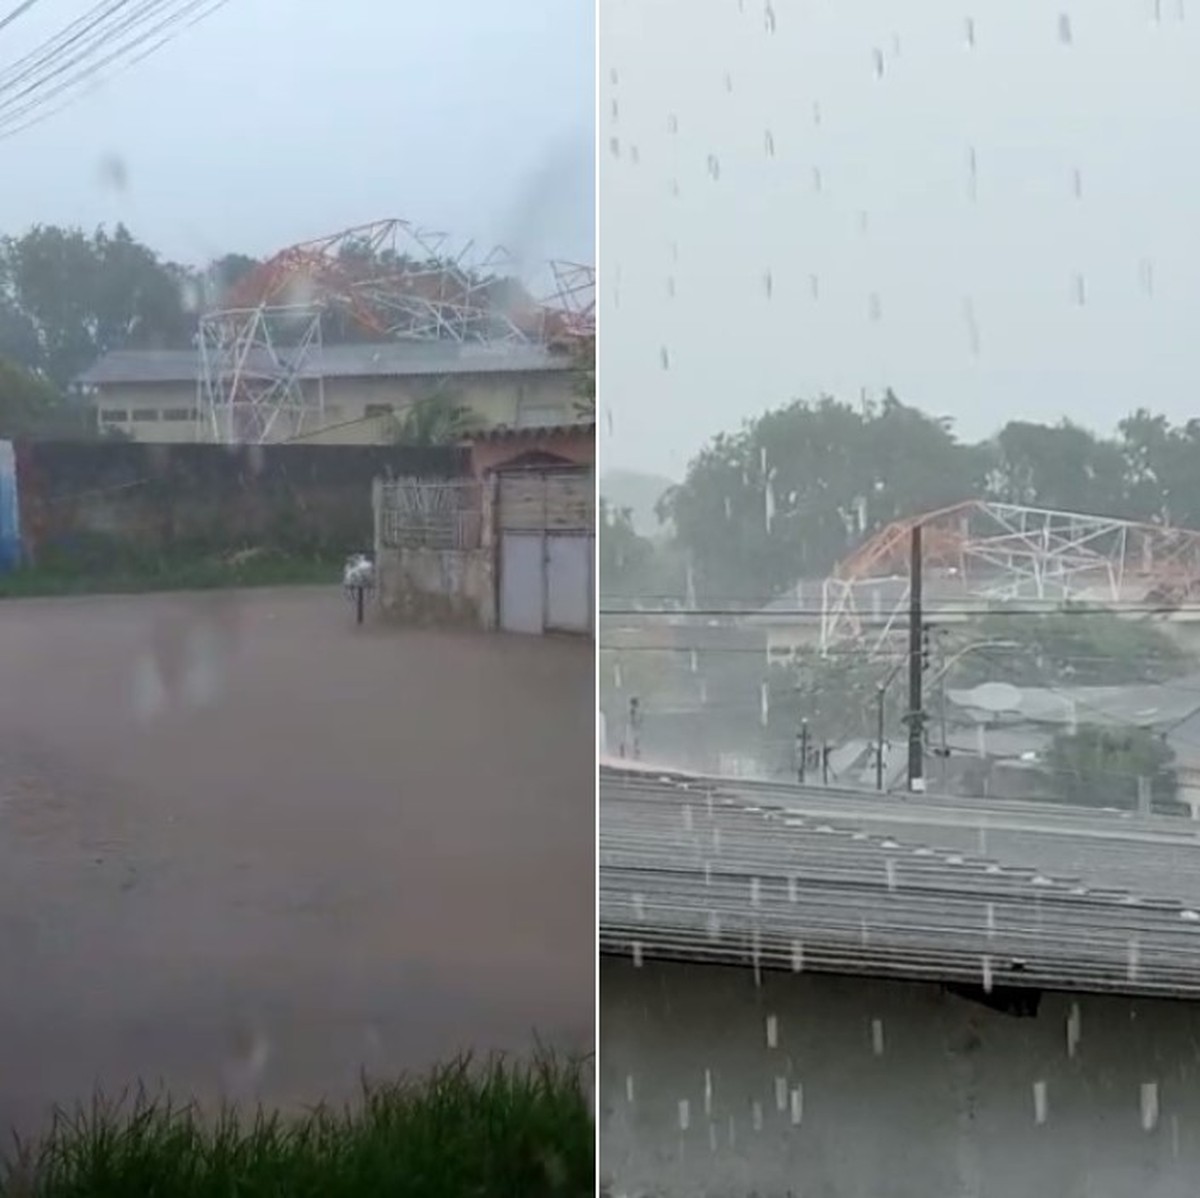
147, 28
762, 617
19, 11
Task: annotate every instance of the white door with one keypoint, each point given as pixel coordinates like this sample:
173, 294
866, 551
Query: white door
568, 582
522, 582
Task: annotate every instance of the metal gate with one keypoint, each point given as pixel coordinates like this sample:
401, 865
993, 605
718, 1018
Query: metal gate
547, 543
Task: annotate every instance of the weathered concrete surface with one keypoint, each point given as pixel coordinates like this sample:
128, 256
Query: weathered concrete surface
847, 1088
249, 849
442, 587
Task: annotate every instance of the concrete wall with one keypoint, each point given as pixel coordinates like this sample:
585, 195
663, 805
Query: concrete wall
114, 499
449, 587
849, 1088
509, 399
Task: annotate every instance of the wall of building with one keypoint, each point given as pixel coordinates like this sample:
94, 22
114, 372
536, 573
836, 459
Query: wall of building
843, 1088
91, 503
577, 448
160, 412
445, 587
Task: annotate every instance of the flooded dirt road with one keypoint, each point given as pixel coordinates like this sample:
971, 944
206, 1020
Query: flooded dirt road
249, 850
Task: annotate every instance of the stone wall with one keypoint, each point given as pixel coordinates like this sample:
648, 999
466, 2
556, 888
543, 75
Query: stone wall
845, 1087
99, 500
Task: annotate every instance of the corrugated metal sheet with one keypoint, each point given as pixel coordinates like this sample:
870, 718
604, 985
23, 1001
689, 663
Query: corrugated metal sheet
975, 892
390, 359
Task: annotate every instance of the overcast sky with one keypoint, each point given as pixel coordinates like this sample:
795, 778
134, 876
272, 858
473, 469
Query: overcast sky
991, 208
274, 122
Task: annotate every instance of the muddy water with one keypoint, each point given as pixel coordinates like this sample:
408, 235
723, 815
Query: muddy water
249, 850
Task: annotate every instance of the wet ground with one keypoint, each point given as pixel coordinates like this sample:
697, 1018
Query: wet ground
249, 850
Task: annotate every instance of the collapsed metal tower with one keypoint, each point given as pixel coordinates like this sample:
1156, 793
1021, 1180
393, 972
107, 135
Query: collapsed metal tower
977, 554
261, 353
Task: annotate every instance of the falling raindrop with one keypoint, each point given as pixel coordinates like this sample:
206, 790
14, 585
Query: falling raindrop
889, 869
712, 1137
816, 112
1077, 183
729, 82
1039, 1102
768, 284
863, 221
972, 174
797, 957
877, 1037
664, 358
969, 29
629, 1087
1065, 35
755, 892
756, 1115
707, 873
714, 926
1156, 11
874, 307
674, 188
637, 954
793, 889
670, 286
765, 704
877, 59
708, 1092
973, 345
614, 144
797, 1105
1073, 1029
714, 167
1146, 276
1079, 289
987, 975
685, 1114
772, 1027
639, 907
1149, 1105
769, 17
672, 123
817, 181
769, 143
1133, 964
613, 77
781, 1093
635, 155
814, 286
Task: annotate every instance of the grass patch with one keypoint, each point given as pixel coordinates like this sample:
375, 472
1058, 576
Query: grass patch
497, 1128
169, 574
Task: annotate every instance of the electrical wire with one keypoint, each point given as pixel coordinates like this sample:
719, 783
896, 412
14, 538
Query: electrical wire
28, 86
19, 11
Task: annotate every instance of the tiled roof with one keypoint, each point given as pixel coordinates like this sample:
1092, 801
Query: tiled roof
975, 892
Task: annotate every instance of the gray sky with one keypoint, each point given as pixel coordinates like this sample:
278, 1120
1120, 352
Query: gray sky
275, 122
1016, 289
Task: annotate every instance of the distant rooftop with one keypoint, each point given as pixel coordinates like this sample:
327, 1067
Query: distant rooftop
373, 360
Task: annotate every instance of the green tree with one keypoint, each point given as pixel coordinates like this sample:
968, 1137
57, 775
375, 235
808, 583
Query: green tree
69, 297
633, 567
440, 419
792, 492
27, 403
1100, 767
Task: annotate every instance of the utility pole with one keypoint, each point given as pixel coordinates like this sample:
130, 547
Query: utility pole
879, 698
802, 744
916, 662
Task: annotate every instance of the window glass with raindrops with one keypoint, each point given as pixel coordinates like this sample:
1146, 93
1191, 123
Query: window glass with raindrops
297, 599
899, 594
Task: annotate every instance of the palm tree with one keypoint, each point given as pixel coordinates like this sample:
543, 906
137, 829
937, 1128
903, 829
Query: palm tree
439, 419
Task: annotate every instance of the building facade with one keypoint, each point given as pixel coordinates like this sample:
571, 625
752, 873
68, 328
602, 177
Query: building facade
342, 394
